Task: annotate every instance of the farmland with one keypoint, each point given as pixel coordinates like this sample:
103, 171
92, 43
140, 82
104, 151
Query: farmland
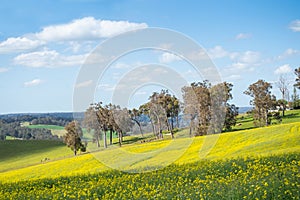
267, 157
248, 178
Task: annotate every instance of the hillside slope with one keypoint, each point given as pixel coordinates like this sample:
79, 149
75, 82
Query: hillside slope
266, 141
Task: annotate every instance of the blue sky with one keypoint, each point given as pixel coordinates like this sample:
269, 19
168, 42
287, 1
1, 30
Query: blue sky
44, 43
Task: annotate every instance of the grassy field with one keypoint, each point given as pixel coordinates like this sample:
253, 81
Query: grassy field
245, 121
16, 154
55, 130
253, 163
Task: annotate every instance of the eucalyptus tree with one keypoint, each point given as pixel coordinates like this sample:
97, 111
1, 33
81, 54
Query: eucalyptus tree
197, 106
135, 115
145, 110
282, 85
92, 123
73, 137
262, 100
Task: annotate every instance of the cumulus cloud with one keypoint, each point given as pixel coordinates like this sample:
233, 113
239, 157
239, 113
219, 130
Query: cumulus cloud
3, 69
289, 52
19, 44
217, 52
87, 28
78, 30
168, 58
248, 57
295, 26
47, 58
242, 36
34, 82
284, 69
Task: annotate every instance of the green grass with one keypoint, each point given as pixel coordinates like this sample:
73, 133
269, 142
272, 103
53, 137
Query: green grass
50, 127
245, 121
16, 154
291, 116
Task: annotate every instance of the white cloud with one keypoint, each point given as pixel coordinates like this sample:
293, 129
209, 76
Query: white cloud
3, 69
289, 52
284, 69
87, 28
168, 58
295, 26
34, 82
78, 30
217, 52
249, 57
47, 58
19, 44
84, 84
242, 36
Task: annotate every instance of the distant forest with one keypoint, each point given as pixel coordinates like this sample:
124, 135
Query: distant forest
11, 125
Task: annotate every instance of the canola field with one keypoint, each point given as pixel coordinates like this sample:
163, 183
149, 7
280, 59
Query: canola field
272, 177
262, 163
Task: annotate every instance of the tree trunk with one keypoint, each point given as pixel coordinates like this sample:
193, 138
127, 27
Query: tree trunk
170, 127
153, 128
75, 152
104, 139
191, 128
97, 140
140, 127
177, 121
110, 136
141, 130
120, 138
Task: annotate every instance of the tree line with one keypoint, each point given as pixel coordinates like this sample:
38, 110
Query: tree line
15, 130
205, 106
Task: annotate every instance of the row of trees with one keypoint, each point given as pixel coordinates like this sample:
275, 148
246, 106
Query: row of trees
60, 119
50, 121
205, 106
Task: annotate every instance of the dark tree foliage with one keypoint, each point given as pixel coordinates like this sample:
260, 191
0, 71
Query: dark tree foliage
60, 119
231, 113
49, 121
